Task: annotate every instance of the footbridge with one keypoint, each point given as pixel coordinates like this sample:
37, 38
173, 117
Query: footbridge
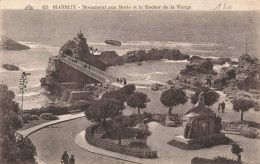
89, 70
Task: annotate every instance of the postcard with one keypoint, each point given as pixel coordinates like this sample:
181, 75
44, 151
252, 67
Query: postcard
115, 81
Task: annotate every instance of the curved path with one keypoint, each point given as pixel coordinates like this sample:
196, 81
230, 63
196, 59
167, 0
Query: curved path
53, 140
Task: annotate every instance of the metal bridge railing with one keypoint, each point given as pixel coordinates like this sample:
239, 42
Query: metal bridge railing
93, 72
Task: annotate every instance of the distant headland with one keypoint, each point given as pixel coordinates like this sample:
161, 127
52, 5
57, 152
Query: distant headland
9, 44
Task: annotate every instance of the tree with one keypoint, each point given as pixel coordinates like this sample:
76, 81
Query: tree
100, 110
210, 96
237, 150
173, 97
116, 94
242, 105
121, 94
128, 89
137, 100
119, 123
7, 103
12, 149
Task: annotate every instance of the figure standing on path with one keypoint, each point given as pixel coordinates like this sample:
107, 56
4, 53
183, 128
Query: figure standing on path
223, 105
65, 158
72, 159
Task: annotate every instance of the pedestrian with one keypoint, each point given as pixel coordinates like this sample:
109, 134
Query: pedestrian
65, 158
72, 159
124, 81
223, 105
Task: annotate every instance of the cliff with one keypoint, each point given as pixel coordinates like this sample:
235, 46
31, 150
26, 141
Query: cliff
9, 44
153, 54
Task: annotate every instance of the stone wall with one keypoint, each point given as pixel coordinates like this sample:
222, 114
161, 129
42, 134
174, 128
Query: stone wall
78, 95
140, 153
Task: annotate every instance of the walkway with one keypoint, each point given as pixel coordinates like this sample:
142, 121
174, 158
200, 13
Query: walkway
53, 140
87, 69
62, 118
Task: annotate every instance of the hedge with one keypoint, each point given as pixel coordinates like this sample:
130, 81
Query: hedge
136, 152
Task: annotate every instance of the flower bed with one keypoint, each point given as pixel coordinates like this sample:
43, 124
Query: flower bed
136, 152
246, 129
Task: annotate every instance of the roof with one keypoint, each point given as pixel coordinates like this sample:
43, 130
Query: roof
200, 110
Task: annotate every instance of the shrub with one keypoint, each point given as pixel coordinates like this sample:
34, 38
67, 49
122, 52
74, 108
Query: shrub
56, 110
138, 144
48, 116
249, 132
17, 122
29, 117
222, 160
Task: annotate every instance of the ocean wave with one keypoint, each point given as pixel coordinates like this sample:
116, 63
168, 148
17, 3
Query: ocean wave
167, 44
217, 68
174, 61
28, 94
34, 45
32, 69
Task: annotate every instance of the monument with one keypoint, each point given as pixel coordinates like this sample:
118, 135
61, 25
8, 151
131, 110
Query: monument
200, 124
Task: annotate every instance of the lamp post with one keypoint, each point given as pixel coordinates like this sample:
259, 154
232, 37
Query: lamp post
23, 85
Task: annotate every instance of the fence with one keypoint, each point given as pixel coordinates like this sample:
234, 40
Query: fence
136, 152
94, 72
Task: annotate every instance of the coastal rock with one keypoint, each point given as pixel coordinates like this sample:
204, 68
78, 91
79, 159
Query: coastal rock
79, 49
200, 67
154, 54
10, 67
247, 67
245, 76
9, 44
219, 61
196, 59
223, 79
110, 58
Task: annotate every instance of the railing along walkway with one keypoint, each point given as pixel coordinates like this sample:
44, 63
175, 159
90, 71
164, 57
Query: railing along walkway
89, 70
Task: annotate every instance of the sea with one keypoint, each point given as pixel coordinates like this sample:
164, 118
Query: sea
203, 33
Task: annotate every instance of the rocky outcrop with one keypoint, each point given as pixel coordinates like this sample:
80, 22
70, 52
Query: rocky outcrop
200, 67
79, 49
225, 77
10, 67
110, 58
245, 76
219, 61
154, 54
9, 44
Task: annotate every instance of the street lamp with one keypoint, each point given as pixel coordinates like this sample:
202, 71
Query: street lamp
23, 84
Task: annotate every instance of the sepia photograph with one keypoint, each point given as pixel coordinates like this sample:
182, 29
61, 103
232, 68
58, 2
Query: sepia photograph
119, 84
